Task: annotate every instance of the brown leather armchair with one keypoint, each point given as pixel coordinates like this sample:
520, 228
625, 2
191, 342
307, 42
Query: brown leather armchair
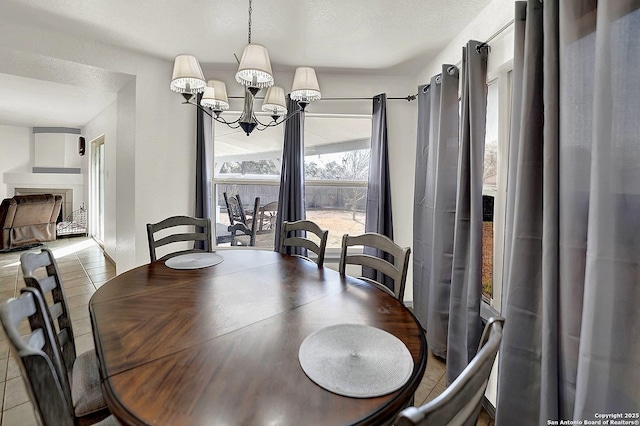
28, 220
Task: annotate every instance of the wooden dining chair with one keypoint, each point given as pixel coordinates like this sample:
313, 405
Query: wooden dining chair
194, 235
460, 402
234, 209
40, 271
244, 234
297, 240
397, 270
41, 364
267, 217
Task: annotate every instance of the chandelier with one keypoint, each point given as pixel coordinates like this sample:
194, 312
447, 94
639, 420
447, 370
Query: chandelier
254, 73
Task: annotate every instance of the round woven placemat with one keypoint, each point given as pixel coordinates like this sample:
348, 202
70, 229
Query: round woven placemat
193, 261
356, 360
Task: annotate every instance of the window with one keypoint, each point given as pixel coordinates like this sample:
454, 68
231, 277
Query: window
337, 149
495, 183
249, 167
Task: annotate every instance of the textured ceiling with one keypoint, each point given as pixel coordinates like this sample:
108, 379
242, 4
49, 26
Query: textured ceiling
381, 36
26, 102
367, 34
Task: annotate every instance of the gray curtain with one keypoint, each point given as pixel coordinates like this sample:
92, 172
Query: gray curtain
435, 204
523, 229
570, 348
465, 326
203, 168
378, 217
291, 196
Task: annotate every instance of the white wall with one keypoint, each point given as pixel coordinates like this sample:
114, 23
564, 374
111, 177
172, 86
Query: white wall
16, 151
71, 156
21, 150
155, 133
488, 22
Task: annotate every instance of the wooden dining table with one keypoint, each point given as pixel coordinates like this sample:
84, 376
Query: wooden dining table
219, 345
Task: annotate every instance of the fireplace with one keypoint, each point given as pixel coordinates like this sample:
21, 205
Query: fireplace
66, 194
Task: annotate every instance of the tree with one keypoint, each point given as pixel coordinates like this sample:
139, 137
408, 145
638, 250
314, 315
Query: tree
311, 170
332, 171
356, 167
261, 167
490, 166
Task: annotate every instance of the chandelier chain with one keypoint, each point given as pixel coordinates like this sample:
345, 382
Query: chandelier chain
250, 10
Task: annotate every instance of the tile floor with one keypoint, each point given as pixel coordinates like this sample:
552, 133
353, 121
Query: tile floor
84, 268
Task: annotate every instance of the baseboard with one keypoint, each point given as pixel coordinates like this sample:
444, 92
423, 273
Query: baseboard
489, 408
104, 252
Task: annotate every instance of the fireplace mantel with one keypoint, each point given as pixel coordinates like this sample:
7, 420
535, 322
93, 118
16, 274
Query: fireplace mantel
49, 181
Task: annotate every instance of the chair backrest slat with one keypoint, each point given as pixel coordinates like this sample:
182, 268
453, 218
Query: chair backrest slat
369, 261
47, 284
302, 242
55, 310
298, 238
36, 339
396, 270
178, 236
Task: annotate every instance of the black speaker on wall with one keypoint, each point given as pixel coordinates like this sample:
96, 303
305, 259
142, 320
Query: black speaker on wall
81, 145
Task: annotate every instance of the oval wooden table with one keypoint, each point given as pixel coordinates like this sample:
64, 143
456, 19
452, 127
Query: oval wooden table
219, 345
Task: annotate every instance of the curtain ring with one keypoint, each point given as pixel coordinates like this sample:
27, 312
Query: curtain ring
482, 46
425, 89
439, 79
451, 70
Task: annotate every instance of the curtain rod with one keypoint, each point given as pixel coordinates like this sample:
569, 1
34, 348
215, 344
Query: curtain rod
407, 98
494, 35
410, 98
500, 31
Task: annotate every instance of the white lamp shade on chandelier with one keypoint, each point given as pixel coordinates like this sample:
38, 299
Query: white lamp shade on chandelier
255, 67
187, 75
274, 102
215, 96
305, 85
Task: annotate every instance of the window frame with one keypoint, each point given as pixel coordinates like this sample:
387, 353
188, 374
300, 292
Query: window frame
332, 254
503, 77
